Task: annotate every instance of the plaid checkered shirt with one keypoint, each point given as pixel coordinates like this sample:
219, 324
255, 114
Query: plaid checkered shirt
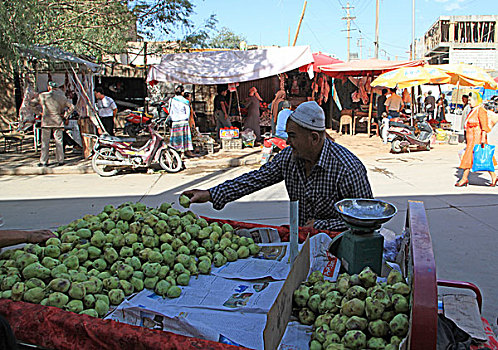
338, 174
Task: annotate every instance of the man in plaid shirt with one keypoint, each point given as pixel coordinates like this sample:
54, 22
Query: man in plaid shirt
317, 172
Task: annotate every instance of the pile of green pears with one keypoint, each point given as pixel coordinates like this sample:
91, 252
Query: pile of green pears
355, 312
98, 260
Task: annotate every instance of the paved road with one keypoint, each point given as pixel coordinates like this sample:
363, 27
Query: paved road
463, 221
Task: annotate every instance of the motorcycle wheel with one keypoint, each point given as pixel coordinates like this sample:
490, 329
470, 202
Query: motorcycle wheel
131, 130
170, 160
104, 170
396, 146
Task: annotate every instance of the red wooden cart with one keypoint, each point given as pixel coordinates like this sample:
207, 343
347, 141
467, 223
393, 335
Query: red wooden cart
54, 328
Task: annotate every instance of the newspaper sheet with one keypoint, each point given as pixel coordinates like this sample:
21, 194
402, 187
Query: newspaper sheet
211, 292
273, 261
235, 328
230, 305
296, 337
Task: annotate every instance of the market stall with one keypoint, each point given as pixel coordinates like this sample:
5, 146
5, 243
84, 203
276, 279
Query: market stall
361, 73
240, 69
74, 75
54, 328
461, 75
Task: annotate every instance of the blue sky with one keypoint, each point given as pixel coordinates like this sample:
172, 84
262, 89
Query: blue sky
266, 22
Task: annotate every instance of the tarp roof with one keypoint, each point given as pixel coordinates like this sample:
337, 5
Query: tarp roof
222, 67
56, 54
370, 66
320, 59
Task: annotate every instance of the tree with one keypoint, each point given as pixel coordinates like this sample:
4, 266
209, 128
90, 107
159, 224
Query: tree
16, 28
226, 39
91, 27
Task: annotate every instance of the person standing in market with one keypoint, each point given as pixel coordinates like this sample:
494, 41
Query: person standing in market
477, 128
107, 110
221, 111
381, 105
179, 111
441, 104
276, 107
465, 110
191, 120
317, 172
430, 104
282, 118
55, 107
252, 119
393, 104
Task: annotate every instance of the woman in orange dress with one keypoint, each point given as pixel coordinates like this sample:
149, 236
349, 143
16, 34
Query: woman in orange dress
476, 126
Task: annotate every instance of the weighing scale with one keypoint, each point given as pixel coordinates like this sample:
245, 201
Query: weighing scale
361, 245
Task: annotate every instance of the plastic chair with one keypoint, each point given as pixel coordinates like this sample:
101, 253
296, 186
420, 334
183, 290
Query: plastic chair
346, 120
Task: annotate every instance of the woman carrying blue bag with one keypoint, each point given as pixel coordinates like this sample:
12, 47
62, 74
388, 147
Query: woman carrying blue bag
478, 155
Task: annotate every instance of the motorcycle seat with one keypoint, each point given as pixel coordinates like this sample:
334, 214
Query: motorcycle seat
118, 138
401, 125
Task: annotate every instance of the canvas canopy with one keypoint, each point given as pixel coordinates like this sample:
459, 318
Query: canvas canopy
56, 54
223, 67
370, 66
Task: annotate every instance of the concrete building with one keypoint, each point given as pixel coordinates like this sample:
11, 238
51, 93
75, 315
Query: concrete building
463, 39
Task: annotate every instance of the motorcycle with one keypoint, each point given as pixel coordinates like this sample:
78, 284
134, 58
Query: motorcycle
137, 121
403, 136
271, 146
112, 153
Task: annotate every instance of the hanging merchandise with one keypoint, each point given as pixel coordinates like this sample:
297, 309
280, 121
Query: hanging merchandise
232, 87
27, 111
294, 87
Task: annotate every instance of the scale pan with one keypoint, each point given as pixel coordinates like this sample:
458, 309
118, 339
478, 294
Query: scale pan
366, 213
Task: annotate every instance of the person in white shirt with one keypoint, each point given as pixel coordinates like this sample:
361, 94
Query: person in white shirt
394, 103
179, 111
107, 110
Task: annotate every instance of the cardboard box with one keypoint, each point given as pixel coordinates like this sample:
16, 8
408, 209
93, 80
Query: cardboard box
281, 310
229, 133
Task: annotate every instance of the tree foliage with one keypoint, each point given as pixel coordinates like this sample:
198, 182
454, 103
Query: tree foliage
16, 20
97, 27
91, 27
226, 39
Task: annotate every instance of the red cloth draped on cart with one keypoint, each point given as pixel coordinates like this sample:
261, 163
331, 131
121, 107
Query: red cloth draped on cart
54, 328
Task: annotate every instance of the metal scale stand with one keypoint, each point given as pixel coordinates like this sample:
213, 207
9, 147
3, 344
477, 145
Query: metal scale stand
361, 245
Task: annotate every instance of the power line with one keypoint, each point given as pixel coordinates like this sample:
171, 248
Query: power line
312, 32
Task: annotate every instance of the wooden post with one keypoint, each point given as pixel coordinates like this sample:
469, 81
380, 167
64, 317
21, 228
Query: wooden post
288, 41
369, 122
299, 24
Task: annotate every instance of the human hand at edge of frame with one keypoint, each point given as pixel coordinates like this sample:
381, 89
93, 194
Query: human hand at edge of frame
198, 196
39, 236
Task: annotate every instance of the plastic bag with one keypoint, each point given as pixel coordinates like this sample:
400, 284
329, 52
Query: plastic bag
248, 135
483, 158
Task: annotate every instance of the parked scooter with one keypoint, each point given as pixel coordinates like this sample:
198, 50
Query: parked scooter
403, 136
137, 121
271, 146
112, 153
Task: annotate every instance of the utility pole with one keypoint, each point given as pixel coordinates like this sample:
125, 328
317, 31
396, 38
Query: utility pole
348, 19
412, 55
377, 29
359, 44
